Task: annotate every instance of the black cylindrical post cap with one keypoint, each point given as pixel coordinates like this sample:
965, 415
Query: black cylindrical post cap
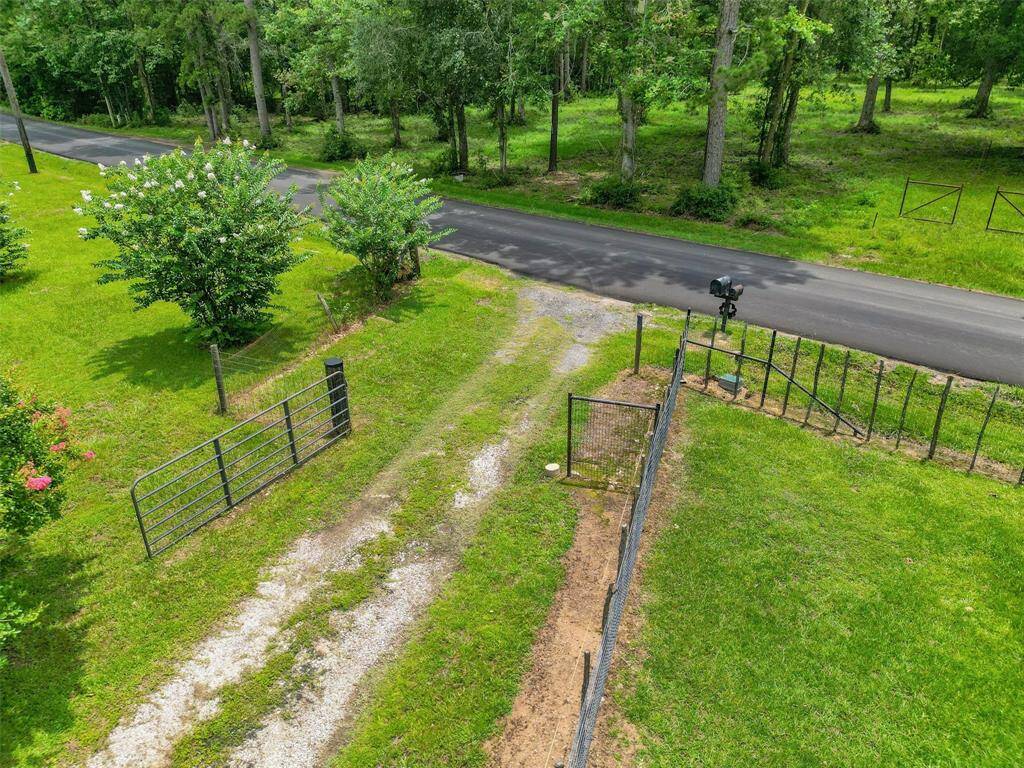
334, 364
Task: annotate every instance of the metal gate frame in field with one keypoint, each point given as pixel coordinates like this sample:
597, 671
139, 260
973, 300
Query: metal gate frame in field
1005, 194
953, 189
201, 484
605, 439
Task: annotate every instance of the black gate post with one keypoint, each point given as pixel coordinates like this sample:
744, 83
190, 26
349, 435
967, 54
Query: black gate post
337, 392
568, 440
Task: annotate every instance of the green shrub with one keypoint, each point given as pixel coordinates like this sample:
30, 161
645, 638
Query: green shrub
12, 249
766, 176
199, 229
340, 145
704, 202
35, 451
612, 192
379, 215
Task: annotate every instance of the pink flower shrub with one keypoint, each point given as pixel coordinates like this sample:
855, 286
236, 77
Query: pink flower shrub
58, 447
38, 483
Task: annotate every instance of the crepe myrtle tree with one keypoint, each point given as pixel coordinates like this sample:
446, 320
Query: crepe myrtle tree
377, 211
199, 229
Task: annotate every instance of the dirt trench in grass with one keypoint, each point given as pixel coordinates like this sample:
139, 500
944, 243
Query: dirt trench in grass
539, 729
309, 726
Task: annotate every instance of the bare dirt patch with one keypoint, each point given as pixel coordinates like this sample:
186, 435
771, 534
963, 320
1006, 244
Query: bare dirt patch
539, 727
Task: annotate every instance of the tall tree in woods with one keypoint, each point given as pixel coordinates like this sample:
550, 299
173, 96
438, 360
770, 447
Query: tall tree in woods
792, 39
383, 50
725, 40
256, 67
985, 41
653, 55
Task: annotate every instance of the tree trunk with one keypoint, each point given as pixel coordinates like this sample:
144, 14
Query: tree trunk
284, 105
396, 124
147, 90
887, 103
556, 88
502, 138
453, 148
585, 64
460, 123
566, 72
773, 114
521, 110
208, 110
988, 79
718, 106
782, 147
110, 106
627, 146
866, 123
339, 105
256, 64
224, 103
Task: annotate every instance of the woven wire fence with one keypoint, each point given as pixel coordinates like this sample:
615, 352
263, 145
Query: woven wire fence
594, 685
191, 490
606, 439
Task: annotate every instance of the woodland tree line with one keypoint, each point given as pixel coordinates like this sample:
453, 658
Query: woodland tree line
137, 60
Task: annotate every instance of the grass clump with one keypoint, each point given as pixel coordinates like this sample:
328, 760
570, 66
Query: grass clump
702, 201
340, 145
612, 192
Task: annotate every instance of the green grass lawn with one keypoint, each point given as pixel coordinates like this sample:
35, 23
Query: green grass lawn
825, 211
810, 603
113, 624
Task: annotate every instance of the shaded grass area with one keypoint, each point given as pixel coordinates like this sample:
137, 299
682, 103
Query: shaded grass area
825, 210
113, 624
966, 406
835, 606
439, 702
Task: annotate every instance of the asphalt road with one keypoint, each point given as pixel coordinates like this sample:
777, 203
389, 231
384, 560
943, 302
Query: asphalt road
973, 334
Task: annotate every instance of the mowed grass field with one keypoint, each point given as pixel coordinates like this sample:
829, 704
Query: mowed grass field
825, 210
810, 603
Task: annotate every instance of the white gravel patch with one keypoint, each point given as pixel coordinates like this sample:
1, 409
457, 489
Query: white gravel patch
588, 318
485, 474
190, 696
300, 734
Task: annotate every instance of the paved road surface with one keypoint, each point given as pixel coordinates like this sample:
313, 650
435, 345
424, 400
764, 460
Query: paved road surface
974, 334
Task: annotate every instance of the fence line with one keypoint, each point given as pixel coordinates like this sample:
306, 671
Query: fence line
615, 598
194, 488
866, 397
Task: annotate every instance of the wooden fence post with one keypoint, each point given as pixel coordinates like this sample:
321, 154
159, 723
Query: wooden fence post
328, 312
711, 348
984, 424
842, 391
874, 403
586, 678
938, 417
218, 375
814, 387
792, 375
903, 412
739, 362
768, 369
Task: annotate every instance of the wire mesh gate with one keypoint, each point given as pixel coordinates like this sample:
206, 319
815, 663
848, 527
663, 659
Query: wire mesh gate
184, 494
605, 439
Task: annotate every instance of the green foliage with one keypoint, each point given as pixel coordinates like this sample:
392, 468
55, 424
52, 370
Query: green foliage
613, 192
766, 176
12, 249
201, 230
701, 201
340, 145
34, 454
380, 215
